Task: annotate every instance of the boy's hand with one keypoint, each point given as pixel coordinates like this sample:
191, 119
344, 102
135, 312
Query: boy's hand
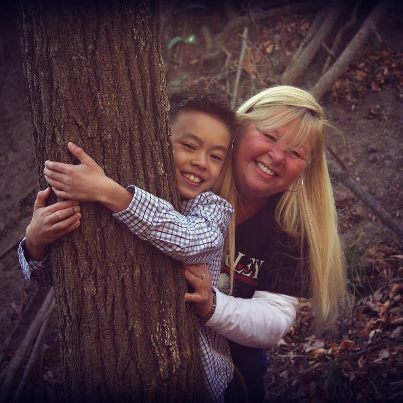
84, 182
199, 278
49, 223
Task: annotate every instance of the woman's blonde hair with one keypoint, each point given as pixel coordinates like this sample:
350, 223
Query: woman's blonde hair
225, 188
307, 212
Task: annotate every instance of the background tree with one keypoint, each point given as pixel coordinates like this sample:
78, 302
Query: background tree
95, 77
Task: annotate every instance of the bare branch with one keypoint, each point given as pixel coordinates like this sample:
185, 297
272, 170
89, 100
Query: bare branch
240, 65
367, 198
350, 23
258, 15
18, 359
314, 28
36, 349
338, 68
298, 67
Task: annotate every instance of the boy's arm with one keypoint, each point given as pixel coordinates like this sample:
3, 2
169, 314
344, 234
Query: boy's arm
190, 237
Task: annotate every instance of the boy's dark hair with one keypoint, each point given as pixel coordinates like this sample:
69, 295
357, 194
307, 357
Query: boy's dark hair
212, 104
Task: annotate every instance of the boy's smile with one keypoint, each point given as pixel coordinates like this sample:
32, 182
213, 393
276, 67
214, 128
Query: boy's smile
200, 145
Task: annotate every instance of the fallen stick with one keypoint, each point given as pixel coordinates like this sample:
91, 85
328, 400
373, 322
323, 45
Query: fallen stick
16, 362
35, 352
13, 333
341, 64
240, 65
295, 70
345, 356
367, 198
265, 58
349, 24
259, 15
314, 28
255, 16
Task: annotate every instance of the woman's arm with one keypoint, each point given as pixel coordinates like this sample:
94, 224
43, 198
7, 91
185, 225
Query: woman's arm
257, 322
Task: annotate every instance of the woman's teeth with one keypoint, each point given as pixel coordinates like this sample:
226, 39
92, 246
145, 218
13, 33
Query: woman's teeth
192, 178
265, 169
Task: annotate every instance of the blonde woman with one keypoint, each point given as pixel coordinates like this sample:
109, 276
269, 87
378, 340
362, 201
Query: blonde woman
287, 241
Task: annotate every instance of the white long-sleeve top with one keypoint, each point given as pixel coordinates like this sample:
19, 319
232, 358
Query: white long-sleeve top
260, 321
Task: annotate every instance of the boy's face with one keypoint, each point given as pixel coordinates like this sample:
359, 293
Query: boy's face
200, 145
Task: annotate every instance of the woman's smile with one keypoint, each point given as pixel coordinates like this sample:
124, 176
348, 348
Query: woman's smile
265, 168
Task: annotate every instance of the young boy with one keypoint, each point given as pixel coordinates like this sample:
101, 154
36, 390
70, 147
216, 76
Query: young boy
202, 130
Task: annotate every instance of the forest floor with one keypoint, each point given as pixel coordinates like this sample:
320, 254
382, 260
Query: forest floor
363, 359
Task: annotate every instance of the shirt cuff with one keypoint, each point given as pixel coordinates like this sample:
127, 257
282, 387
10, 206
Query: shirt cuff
216, 316
29, 266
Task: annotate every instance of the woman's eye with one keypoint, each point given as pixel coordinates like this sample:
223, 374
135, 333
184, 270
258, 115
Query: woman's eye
296, 154
269, 136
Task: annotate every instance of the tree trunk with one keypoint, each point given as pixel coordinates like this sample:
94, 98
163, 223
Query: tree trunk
95, 77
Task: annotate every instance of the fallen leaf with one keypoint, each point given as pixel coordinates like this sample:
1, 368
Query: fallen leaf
317, 353
361, 362
346, 345
305, 26
360, 75
269, 48
396, 322
383, 355
373, 334
313, 343
249, 63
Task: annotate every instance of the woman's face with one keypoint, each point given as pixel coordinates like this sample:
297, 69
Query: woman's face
264, 164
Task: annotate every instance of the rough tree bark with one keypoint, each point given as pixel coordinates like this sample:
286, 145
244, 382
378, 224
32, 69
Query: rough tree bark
95, 77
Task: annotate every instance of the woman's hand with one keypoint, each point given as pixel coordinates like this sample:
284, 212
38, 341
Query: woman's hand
84, 182
199, 278
49, 223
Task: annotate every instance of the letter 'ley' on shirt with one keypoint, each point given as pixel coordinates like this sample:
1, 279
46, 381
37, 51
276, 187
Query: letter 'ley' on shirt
266, 258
